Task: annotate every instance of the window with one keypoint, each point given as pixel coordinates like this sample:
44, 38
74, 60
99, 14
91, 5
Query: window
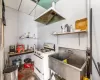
1, 34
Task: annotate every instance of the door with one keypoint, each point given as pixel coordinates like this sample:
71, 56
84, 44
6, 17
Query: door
0, 9
1, 63
1, 50
1, 34
95, 5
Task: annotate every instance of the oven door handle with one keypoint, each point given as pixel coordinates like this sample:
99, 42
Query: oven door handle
38, 56
38, 70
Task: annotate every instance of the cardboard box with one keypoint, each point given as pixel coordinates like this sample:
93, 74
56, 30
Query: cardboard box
27, 74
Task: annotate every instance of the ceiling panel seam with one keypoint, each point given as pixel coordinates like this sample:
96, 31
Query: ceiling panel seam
34, 8
20, 4
11, 8
18, 11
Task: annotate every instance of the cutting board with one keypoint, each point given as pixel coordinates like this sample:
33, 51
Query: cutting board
81, 24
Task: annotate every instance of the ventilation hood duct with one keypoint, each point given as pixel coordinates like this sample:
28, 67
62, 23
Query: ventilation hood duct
50, 16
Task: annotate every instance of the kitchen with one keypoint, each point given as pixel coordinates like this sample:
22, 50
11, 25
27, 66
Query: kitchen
21, 28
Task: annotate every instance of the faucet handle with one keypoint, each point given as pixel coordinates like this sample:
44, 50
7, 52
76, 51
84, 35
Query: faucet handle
70, 51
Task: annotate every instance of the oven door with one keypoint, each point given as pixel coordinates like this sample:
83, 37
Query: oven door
38, 63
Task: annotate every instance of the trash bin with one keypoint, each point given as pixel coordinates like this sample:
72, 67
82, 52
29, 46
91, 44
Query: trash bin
11, 73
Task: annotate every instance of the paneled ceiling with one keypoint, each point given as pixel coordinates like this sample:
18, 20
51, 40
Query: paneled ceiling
27, 6
12, 3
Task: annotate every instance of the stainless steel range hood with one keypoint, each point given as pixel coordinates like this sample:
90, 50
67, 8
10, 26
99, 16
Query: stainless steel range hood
50, 16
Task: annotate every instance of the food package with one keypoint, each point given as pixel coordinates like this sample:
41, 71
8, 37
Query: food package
27, 74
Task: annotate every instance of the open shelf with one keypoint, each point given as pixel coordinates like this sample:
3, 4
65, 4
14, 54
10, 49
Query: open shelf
60, 33
28, 38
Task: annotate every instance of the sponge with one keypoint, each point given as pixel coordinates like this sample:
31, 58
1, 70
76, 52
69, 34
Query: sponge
65, 61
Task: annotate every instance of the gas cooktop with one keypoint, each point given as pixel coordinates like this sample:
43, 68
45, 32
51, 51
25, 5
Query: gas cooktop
47, 47
45, 50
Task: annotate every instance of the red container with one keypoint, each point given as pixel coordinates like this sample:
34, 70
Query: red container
20, 48
29, 65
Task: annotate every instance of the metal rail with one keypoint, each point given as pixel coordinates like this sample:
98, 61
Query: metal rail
97, 65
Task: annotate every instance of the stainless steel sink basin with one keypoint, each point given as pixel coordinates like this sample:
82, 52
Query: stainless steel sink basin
73, 70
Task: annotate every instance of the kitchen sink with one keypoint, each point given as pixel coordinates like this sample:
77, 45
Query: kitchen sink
73, 59
74, 69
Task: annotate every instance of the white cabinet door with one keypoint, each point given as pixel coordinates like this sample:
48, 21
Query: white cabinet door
0, 8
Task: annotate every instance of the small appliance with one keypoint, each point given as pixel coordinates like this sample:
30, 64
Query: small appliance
12, 48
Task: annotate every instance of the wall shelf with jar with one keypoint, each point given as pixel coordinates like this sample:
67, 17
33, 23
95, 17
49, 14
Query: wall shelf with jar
28, 36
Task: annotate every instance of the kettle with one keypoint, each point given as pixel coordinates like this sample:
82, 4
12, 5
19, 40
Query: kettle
68, 28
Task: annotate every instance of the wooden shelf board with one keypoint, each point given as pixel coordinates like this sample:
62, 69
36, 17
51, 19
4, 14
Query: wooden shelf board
69, 33
28, 38
18, 54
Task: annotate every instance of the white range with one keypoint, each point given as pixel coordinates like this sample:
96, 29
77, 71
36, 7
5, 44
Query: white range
41, 62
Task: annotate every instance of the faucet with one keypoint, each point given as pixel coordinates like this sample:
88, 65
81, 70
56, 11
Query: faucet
70, 52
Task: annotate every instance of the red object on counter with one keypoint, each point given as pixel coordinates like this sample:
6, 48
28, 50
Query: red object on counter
20, 48
29, 65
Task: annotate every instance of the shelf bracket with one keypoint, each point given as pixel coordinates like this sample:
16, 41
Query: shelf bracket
79, 38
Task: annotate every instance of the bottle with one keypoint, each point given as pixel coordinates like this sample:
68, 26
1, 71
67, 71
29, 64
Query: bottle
34, 48
27, 47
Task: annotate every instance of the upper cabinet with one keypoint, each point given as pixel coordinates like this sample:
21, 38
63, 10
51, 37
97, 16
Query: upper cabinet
0, 8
